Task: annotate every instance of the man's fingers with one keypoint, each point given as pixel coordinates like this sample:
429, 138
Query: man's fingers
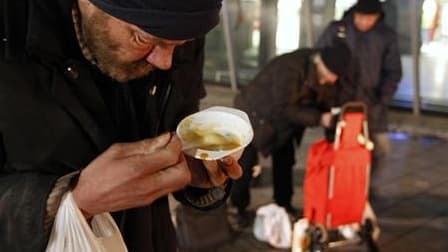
230, 167
219, 171
170, 155
217, 176
143, 147
146, 189
168, 180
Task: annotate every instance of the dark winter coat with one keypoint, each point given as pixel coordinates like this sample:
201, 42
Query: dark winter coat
53, 121
285, 97
378, 59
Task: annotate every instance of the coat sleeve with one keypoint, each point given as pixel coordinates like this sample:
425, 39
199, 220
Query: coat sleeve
308, 116
302, 109
29, 201
391, 71
23, 209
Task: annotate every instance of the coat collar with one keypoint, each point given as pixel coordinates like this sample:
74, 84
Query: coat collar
51, 38
50, 33
76, 92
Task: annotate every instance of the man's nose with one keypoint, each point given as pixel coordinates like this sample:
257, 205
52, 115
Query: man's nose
161, 56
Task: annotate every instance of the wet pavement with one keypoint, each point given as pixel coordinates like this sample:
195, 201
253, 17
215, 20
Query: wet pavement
412, 200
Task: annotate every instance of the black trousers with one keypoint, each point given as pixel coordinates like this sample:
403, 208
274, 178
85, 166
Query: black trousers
283, 159
240, 196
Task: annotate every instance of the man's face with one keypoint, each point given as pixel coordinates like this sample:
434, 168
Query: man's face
122, 50
365, 22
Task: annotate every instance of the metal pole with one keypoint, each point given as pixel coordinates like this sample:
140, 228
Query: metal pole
415, 35
229, 46
308, 22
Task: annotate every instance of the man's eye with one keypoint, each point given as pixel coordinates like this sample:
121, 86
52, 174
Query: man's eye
138, 40
142, 40
140, 43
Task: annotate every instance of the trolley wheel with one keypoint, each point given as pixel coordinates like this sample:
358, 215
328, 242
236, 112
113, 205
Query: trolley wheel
367, 233
319, 239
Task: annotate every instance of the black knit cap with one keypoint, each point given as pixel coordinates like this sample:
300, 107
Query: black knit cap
168, 19
337, 58
368, 7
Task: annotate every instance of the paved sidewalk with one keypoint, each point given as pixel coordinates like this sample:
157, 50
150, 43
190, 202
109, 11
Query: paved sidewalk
412, 203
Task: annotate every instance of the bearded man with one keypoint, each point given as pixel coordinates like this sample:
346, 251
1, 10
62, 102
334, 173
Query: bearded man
87, 90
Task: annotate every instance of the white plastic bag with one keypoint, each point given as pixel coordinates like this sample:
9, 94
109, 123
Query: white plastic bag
272, 225
72, 233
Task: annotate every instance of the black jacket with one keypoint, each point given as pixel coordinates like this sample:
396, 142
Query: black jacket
53, 121
379, 64
285, 97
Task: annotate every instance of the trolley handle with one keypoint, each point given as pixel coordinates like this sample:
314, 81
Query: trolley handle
352, 107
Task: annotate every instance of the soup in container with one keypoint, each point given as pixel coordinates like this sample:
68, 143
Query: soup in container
214, 133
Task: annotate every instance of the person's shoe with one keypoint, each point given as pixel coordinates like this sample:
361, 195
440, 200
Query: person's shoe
241, 219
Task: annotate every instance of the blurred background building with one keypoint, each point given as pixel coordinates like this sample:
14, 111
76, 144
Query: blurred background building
254, 31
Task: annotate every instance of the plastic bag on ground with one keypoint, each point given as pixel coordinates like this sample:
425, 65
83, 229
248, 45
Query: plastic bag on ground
272, 225
72, 233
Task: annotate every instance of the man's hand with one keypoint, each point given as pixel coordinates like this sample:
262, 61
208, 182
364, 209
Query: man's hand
325, 120
207, 174
132, 175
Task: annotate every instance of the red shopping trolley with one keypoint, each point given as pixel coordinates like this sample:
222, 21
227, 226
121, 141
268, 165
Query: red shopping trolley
336, 185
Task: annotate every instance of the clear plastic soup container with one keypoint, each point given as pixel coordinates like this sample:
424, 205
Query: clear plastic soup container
214, 133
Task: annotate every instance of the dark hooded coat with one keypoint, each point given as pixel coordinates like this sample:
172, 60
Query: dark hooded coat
285, 97
378, 62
